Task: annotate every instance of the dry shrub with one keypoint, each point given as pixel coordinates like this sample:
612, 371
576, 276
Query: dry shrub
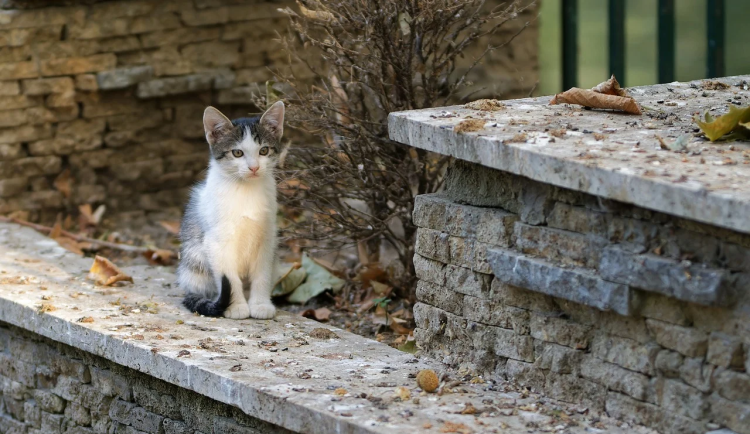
355, 61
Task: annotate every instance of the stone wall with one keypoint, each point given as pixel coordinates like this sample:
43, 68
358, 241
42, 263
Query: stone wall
51, 388
622, 309
101, 102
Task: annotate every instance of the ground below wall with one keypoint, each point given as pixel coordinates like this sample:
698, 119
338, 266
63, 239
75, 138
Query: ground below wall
521, 287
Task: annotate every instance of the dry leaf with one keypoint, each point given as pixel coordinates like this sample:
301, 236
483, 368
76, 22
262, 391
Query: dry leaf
65, 242
172, 226
316, 15
715, 129
340, 391
160, 256
236, 368
606, 95
322, 314
610, 87
469, 409
489, 105
469, 126
589, 98
104, 272
46, 307
403, 393
459, 428
86, 319
62, 183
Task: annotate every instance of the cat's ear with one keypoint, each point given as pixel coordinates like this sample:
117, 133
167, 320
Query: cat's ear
273, 120
215, 124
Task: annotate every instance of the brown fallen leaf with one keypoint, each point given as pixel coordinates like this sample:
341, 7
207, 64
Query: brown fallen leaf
104, 272
86, 319
323, 333
489, 105
88, 217
172, 226
714, 85
459, 428
606, 95
403, 393
340, 391
469, 126
469, 409
160, 256
183, 353
235, 368
62, 183
610, 87
46, 307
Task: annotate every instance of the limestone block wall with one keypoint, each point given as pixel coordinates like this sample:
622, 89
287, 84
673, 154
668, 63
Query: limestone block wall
51, 388
106, 97
640, 314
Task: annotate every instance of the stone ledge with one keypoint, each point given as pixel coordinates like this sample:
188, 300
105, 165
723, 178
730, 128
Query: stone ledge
270, 385
693, 283
574, 284
713, 192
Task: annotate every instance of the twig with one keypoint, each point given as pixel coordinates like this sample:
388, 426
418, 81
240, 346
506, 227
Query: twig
47, 230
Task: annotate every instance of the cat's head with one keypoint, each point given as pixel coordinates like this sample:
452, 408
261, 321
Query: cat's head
245, 148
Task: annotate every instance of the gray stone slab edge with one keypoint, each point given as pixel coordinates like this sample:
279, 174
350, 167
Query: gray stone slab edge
572, 284
676, 199
264, 406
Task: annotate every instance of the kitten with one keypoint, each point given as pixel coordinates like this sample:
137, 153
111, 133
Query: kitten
228, 232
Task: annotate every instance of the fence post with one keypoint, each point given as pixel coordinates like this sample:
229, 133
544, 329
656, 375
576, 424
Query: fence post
715, 26
617, 39
569, 43
666, 41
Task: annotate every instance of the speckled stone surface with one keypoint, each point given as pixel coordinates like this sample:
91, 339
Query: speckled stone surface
604, 153
275, 370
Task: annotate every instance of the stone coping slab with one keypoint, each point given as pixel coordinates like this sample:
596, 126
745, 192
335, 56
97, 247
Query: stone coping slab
275, 370
607, 154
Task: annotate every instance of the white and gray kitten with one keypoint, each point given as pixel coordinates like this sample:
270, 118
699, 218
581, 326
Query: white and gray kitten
228, 232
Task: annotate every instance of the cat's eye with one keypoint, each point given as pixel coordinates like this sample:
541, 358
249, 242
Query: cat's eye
263, 150
237, 153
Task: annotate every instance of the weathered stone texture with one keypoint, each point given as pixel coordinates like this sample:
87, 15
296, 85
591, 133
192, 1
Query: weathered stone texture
587, 300
83, 394
119, 64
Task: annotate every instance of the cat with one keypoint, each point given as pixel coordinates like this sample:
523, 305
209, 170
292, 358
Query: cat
228, 231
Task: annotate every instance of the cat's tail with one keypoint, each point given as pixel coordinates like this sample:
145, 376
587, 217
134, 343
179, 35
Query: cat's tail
206, 306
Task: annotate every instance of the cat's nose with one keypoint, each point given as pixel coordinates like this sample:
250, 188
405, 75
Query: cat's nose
253, 169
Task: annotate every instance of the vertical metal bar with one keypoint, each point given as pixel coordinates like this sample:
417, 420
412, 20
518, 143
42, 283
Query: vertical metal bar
569, 43
666, 41
617, 39
715, 16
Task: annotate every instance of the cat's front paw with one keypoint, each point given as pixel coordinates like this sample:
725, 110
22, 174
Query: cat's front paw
262, 311
237, 311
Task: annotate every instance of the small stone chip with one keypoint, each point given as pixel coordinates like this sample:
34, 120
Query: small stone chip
427, 380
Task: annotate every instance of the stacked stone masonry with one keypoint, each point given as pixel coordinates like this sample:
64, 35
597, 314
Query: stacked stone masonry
642, 315
101, 101
51, 388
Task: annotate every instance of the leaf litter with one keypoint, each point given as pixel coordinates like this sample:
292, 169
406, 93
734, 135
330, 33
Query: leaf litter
605, 95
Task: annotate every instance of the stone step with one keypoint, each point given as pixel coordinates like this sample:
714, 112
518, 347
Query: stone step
285, 371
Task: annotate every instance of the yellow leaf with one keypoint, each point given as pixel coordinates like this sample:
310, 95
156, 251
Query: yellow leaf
714, 129
104, 272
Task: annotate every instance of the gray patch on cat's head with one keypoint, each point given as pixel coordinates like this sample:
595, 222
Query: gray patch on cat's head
246, 145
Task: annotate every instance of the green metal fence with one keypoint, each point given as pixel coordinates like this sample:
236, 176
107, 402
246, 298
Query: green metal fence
641, 41
617, 11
